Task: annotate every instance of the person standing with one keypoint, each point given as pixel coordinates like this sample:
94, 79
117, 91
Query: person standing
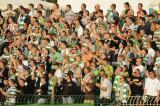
105, 86
67, 87
23, 18
152, 88
122, 91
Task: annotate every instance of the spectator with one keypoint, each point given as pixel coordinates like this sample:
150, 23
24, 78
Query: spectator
68, 87
31, 10
95, 12
40, 18
157, 64
83, 8
69, 14
22, 87
87, 88
43, 90
56, 12
141, 12
136, 83
9, 11
41, 8
129, 24
3, 72
10, 93
123, 90
105, 90
140, 66
23, 17
112, 14
85, 18
126, 8
12, 24
142, 25
52, 86
152, 92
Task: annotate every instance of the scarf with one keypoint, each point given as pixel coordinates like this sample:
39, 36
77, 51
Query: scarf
21, 21
124, 90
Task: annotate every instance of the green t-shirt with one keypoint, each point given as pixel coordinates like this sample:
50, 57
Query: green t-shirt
52, 30
57, 57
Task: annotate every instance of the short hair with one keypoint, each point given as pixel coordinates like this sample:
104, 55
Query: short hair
140, 4
64, 42
13, 81
101, 11
22, 80
84, 5
146, 50
21, 7
52, 72
151, 70
68, 5
102, 70
143, 19
113, 5
10, 5
127, 3
41, 5
55, 48
13, 18
150, 15
87, 12
39, 12
32, 5
57, 5
24, 9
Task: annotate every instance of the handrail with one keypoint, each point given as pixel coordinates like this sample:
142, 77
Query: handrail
79, 99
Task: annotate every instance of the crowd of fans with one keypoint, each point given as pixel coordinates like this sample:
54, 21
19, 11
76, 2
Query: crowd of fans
103, 53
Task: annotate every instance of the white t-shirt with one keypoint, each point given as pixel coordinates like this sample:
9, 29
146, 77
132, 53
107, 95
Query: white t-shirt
80, 31
151, 52
141, 68
58, 73
106, 83
152, 86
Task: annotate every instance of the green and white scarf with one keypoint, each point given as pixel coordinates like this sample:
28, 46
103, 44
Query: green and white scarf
52, 84
21, 21
124, 90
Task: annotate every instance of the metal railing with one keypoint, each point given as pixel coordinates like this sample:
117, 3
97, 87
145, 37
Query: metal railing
80, 99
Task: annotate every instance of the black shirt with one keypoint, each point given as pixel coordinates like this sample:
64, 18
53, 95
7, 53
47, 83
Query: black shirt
136, 90
22, 89
113, 43
44, 89
4, 72
68, 88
